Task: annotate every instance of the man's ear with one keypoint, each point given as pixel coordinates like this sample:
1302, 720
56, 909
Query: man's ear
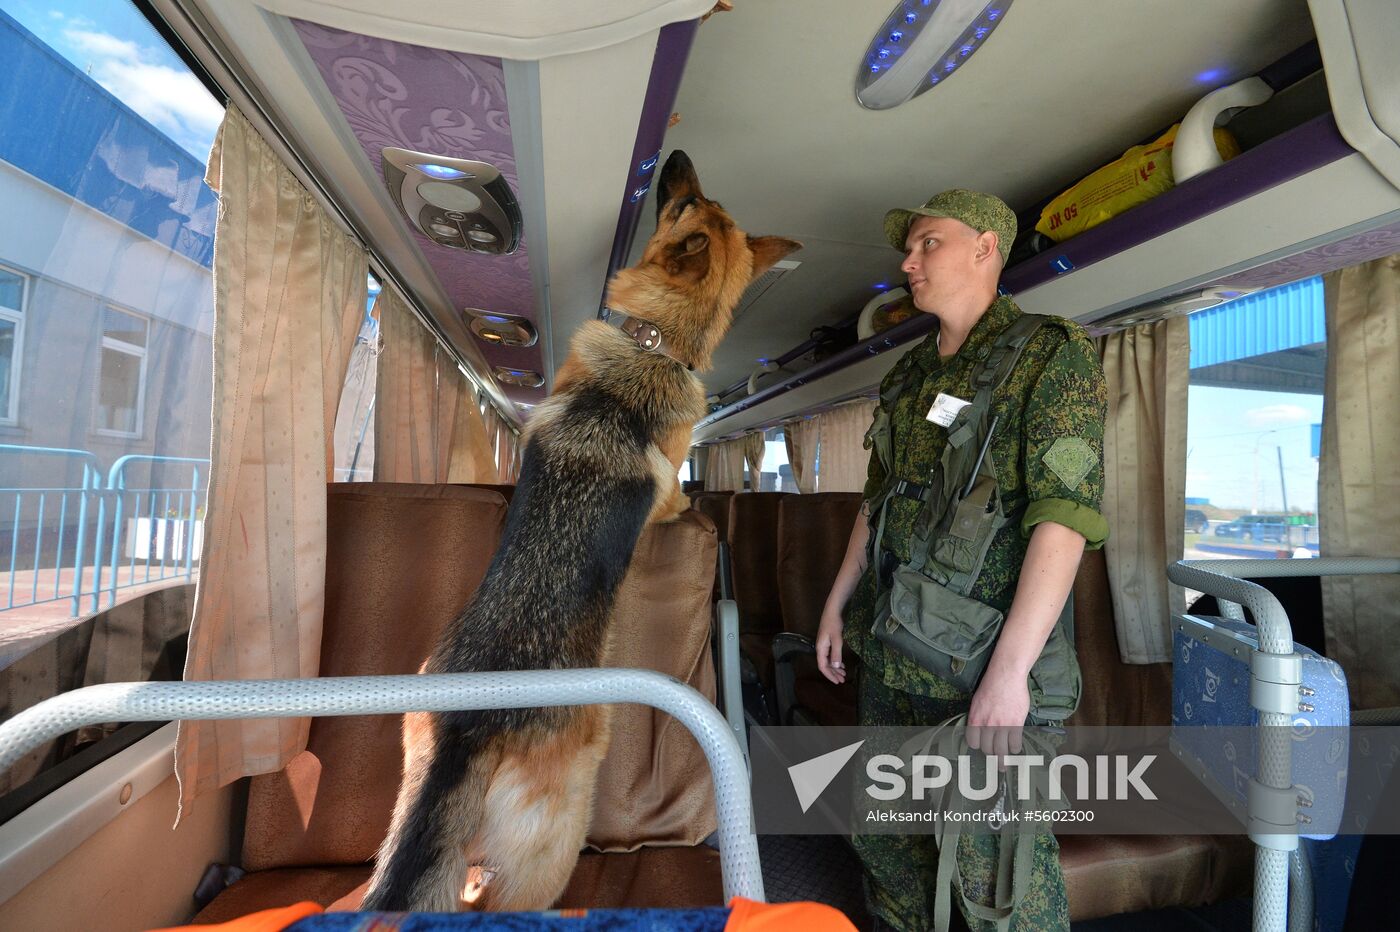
987, 243
768, 250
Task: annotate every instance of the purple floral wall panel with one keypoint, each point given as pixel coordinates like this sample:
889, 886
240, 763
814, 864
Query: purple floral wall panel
445, 103
1361, 247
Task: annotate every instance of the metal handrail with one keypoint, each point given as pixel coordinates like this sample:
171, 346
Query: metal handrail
116, 478
92, 473
441, 692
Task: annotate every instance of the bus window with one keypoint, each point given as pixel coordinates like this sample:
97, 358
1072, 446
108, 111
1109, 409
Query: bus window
106, 323
1254, 417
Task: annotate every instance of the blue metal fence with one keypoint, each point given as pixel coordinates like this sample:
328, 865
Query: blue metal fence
102, 535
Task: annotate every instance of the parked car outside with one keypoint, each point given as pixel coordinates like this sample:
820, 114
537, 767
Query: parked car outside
1196, 520
1255, 527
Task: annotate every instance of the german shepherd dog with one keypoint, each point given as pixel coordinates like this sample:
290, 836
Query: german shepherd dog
494, 805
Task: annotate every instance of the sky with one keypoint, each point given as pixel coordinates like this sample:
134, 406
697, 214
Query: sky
1233, 439
117, 48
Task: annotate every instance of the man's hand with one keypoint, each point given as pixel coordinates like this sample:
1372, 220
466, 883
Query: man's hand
999, 709
829, 647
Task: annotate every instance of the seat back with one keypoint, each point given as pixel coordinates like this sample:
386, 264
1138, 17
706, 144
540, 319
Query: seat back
715, 506
654, 787
753, 555
813, 531
402, 562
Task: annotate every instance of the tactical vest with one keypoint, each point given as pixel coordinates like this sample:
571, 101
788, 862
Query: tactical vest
923, 606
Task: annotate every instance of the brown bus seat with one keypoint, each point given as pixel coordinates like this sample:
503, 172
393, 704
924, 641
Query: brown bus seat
1106, 875
813, 531
402, 560
715, 506
753, 556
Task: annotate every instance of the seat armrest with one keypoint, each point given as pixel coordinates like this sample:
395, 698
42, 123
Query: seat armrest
786, 646
730, 692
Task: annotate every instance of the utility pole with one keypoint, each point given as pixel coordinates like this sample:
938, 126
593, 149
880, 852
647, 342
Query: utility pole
1283, 489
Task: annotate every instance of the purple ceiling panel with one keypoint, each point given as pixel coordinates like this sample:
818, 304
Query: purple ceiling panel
448, 104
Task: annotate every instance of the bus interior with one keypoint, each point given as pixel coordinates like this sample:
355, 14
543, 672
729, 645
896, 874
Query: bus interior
287, 451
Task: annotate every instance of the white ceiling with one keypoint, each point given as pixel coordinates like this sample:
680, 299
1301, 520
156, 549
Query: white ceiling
768, 114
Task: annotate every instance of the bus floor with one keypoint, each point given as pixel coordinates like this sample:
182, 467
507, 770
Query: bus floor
824, 869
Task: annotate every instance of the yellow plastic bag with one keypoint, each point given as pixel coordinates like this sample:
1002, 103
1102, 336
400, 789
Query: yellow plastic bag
1142, 173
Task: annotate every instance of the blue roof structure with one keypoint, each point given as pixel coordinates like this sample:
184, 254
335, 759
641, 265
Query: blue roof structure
63, 128
1281, 318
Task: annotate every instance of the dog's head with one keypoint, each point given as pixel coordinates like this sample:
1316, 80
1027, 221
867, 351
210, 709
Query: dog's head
696, 265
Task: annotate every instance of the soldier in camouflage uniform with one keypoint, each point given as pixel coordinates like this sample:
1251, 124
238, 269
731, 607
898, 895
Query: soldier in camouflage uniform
1048, 447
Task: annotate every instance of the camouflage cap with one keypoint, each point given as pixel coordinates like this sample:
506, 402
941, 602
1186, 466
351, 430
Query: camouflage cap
982, 212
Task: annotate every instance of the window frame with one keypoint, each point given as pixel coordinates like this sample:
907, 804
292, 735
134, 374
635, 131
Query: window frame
10, 416
131, 349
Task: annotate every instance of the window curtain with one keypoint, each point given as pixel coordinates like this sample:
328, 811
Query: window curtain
841, 455
416, 401
753, 456
1147, 370
354, 420
724, 469
472, 458
1359, 480
289, 296
509, 442
801, 439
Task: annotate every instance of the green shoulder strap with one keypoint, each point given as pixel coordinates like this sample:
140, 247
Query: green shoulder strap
962, 460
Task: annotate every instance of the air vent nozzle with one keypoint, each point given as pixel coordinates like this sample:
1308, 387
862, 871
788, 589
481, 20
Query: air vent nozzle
458, 203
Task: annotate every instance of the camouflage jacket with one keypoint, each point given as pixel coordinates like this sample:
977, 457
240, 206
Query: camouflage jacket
1048, 449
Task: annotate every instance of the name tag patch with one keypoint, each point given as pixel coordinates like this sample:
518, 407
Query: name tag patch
945, 409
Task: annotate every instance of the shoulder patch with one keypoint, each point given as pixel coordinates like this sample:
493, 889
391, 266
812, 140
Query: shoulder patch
1070, 459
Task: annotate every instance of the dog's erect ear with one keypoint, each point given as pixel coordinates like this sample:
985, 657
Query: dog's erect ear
768, 250
691, 257
678, 179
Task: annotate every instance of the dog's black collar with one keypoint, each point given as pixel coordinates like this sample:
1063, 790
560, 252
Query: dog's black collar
645, 334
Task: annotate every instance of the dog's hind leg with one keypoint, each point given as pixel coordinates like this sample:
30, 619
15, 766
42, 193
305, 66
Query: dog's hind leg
538, 808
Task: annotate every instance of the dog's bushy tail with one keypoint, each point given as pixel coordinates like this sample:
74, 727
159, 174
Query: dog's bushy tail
422, 865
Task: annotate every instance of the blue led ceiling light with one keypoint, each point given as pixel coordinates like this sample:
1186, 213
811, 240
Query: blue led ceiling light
441, 171
920, 44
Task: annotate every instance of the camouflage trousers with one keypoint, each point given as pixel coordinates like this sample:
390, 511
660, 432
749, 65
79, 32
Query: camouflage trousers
901, 870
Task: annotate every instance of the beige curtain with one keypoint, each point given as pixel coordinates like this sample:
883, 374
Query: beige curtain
1359, 479
753, 456
416, 402
508, 444
1147, 369
841, 457
724, 469
471, 458
289, 294
801, 439
428, 419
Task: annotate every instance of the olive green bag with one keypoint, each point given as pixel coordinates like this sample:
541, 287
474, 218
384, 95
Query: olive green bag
926, 612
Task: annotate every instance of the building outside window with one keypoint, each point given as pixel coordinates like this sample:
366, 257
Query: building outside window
12, 292
121, 386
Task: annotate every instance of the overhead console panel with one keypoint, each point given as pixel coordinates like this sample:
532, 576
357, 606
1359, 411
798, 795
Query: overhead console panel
482, 147
1358, 39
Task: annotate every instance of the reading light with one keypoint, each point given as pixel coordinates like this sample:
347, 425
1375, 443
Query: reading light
525, 378
500, 329
920, 44
441, 172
